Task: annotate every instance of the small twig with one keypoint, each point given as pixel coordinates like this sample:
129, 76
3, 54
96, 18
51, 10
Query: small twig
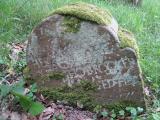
4, 81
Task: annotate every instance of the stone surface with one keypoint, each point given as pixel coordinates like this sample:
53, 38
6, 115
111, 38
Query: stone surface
57, 56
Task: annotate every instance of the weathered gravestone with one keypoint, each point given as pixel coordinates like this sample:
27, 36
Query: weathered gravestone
81, 42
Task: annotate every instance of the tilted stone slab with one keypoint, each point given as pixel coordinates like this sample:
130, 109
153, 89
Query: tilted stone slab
66, 48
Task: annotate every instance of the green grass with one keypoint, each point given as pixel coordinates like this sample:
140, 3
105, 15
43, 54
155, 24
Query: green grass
18, 18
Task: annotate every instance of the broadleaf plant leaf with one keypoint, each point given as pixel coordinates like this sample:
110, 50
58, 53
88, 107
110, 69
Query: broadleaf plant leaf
24, 101
4, 90
36, 108
121, 112
104, 113
18, 87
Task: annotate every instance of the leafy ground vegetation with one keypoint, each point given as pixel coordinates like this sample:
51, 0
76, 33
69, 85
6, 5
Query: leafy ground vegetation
17, 19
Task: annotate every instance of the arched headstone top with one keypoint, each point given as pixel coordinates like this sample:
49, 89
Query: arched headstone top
87, 12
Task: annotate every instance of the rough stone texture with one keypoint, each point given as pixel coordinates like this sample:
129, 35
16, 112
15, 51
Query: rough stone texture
92, 53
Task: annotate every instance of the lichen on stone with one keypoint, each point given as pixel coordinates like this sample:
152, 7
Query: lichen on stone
71, 24
127, 39
87, 12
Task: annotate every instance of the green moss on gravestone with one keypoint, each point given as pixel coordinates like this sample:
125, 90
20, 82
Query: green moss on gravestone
27, 75
71, 24
87, 12
79, 93
127, 39
56, 75
82, 93
26, 72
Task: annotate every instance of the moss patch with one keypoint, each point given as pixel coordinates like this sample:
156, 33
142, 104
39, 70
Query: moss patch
127, 39
42, 78
82, 93
71, 24
26, 72
27, 75
78, 93
50, 76
86, 12
56, 75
